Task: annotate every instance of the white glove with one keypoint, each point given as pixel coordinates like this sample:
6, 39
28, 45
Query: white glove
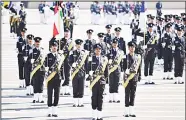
110, 61
90, 59
124, 56
145, 46
108, 45
32, 61
91, 73
74, 65
25, 58
127, 71
46, 68
163, 45
86, 76
173, 47
61, 51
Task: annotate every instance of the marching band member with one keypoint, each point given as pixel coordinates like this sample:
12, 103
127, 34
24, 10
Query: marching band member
167, 52
115, 57
179, 51
19, 47
131, 71
53, 65
121, 45
160, 31
28, 48
108, 36
38, 72
98, 73
150, 49
22, 20
88, 45
103, 44
121, 41
77, 60
66, 44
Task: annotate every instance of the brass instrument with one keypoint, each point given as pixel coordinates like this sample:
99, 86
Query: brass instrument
39, 59
152, 40
78, 61
98, 71
131, 69
115, 63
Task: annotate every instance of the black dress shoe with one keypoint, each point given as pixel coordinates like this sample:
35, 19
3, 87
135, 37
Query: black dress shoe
42, 101
67, 93
118, 101
168, 78
126, 115
80, 105
27, 94
49, 115
152, 83
113, 101
181, 83
175, 82
32, 94
132, 115
74, 105
94, 119
100, 119
54, 115
163, 78
146, 83
110, 101
34, 101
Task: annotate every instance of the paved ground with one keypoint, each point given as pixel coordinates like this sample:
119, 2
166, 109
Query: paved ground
163, 101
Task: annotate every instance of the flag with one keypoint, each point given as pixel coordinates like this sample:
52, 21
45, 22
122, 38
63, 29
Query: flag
58, 27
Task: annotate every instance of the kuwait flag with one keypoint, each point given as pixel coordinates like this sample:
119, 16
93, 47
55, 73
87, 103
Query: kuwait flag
58, 28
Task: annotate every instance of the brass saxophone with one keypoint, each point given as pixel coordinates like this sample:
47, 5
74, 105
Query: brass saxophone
38, 61
115, 61
153, 37
78, 61
99, 71
131, 69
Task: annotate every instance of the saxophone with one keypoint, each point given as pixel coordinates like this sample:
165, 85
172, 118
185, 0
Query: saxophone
78, 61
115, 61
39, 59
153, 37
68, 46
98, 71
131, 69
54, 67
